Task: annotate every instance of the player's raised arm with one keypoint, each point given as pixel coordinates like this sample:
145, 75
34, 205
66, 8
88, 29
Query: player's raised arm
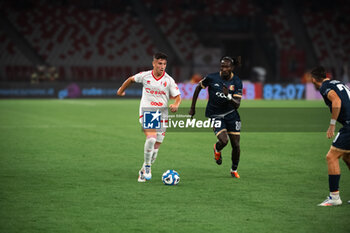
194, 99
125, 85
336, 106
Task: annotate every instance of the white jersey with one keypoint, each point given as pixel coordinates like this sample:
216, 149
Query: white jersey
156, 92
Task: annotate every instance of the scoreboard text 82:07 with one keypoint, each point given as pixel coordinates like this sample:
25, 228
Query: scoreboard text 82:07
280, 92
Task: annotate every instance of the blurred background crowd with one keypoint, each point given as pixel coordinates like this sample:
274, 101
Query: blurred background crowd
110, 40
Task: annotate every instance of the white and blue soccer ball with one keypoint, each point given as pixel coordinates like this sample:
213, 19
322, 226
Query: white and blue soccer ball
171, 177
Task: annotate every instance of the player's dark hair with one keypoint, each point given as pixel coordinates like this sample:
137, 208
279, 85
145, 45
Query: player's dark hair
234, 61
319, 73
160, 55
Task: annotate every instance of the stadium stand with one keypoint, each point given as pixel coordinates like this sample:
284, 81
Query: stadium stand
179, 33
280, 28
175, 23
229, 8
11, 57
176, 19
10, 53
328, 28
111, 34
71, 36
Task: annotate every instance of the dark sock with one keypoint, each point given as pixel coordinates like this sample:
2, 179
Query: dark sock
333, 181
235, 166
235, 155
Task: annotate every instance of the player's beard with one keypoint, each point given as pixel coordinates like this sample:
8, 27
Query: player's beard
225, 75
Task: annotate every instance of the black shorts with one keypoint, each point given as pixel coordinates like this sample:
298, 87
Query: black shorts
231, 123
342, 140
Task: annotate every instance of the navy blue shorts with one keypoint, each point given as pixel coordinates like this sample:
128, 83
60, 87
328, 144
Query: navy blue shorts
342, 140
231, 123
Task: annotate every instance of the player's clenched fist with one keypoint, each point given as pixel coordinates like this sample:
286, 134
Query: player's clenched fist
173, 107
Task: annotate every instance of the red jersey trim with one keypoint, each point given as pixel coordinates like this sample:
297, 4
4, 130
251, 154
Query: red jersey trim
159, 77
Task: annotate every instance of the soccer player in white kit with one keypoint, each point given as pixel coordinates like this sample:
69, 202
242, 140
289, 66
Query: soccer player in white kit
158, 87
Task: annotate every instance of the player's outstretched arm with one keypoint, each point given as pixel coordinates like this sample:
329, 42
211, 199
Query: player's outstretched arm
125, 85
194, 100
336, 105
175, 106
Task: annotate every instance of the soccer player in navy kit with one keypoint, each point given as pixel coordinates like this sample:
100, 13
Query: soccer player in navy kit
225, 93
336, 95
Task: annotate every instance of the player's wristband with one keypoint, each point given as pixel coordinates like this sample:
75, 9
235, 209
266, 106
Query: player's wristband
229, 97
333, 122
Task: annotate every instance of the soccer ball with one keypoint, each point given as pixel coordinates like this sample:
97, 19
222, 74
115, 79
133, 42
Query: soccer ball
171, 177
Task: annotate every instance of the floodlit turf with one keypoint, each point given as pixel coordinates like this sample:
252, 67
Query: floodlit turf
72, 166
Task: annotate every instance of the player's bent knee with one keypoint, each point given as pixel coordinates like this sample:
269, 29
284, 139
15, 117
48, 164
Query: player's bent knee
149, 145
330, 157
151, 140
223, 141
333, 154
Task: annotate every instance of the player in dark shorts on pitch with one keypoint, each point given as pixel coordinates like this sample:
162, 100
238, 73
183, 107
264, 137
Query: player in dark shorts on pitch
225, 93
336, 95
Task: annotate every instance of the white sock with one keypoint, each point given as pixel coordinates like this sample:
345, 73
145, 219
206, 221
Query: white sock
148, 150
154, 155
334, 195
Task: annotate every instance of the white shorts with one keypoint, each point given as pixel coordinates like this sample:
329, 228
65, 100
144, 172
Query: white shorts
160, 132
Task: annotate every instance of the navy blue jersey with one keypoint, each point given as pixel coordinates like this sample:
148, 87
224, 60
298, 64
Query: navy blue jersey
344, 94
218, 102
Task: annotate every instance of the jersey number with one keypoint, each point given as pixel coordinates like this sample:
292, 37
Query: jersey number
238, 125
342, 87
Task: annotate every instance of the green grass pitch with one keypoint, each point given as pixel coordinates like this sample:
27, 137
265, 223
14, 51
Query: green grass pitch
72, 166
